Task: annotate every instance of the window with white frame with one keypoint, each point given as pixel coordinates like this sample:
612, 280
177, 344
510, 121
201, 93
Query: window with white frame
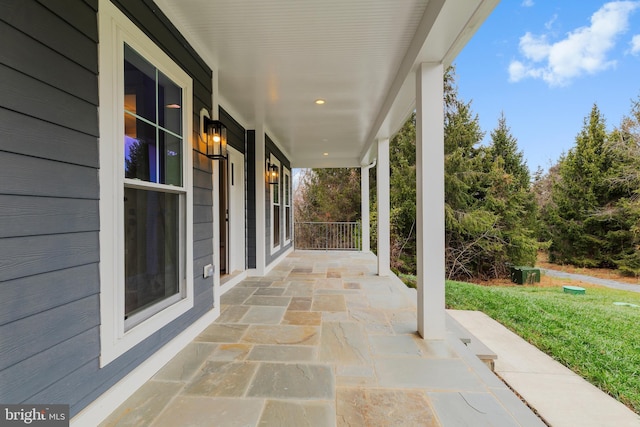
287, 204
275, 208
145, 186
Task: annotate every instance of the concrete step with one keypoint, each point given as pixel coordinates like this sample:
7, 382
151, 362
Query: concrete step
474, 345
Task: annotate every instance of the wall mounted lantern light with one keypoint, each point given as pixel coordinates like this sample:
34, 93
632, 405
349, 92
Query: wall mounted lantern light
274, 174
216, 138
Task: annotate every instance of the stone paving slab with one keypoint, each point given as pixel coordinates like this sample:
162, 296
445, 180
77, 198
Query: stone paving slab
429, 374
300, 304
186, 363
221, 378
394, 345
207, 412
328, 303
264, 315
233, 313
145, 405
237, 296
298, 413
222, 333
345, 343
293, 381
282, 353
470, 409
268, 301
321, 341
375, 407
310, 318
282, 334
231, 352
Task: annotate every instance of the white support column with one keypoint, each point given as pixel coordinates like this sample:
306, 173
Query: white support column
261, 200
364, 207
430, 200
384, 234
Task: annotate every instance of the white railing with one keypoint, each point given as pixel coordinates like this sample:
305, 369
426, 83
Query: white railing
343, 236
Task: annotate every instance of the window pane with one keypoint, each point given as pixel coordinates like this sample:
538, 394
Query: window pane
169, 104
152, 264
140, 153
287, 223
276, 226
139, 85
171, 160
287, 200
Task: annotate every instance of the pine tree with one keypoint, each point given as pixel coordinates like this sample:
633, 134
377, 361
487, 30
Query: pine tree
469, 232
509, 195
402, 198
575, 229
505, 146
623, 206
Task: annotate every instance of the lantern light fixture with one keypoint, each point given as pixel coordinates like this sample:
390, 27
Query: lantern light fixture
274, 174
216, 138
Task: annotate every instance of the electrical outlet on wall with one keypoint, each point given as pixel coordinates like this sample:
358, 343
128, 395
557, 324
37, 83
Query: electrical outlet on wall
208, 271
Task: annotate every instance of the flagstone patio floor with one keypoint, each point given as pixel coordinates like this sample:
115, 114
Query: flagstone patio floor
322, 341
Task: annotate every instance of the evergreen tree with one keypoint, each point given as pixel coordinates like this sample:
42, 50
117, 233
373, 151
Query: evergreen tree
622, 210
575, 229
470, 236
593, 215
505, 146
509, 195
402, 198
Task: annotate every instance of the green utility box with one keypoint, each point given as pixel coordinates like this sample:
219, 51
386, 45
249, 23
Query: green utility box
522, 275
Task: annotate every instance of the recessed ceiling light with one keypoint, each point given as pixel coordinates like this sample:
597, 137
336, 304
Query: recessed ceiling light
325, 154
320, 101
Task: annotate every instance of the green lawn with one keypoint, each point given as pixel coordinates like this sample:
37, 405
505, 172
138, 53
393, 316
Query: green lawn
587, 333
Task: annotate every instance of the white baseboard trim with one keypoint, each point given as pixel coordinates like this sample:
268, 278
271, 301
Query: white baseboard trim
109, 401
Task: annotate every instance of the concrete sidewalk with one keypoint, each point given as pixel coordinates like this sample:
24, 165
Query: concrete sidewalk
560, 397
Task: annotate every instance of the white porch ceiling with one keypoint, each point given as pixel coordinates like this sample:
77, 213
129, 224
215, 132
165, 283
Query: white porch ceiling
274, 58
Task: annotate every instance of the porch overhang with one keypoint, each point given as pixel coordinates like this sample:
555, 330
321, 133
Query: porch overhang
274, 58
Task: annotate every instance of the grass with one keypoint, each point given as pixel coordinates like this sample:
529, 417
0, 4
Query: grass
587, 333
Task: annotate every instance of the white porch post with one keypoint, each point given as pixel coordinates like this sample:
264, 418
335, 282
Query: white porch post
382, 188
364, 206
430, 200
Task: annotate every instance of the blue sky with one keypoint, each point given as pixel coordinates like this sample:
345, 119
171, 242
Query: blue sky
544, 63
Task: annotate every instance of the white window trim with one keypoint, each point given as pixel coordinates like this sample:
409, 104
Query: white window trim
286, 204
114, 30
274, 161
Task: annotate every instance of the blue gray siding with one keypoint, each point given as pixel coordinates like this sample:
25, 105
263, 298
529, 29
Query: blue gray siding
48, 195
49, 200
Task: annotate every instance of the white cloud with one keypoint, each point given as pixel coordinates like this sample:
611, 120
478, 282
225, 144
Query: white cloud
635, 45
583, 51
527, 3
